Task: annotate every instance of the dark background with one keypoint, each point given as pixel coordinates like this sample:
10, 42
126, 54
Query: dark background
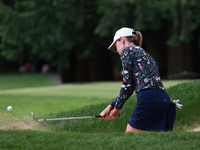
72, 36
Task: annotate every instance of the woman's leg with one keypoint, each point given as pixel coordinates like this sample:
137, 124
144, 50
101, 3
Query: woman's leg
131, 129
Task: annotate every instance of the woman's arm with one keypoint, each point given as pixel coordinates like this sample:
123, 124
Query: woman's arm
113, 109
127, 87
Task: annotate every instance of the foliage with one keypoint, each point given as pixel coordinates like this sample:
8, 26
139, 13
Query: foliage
52, 30
149, 15
57, 31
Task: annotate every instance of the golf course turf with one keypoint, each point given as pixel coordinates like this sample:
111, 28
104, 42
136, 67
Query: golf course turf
18, 130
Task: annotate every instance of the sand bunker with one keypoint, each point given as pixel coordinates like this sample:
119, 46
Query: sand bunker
7, 122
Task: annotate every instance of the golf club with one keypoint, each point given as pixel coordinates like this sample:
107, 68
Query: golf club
85, 117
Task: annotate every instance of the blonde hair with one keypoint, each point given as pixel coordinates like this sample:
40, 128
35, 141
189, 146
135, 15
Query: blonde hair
137, 40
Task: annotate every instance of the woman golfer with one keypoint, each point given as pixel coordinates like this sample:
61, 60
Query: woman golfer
154, 110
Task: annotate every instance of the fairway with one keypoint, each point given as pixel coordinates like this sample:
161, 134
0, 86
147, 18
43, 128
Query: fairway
51, 99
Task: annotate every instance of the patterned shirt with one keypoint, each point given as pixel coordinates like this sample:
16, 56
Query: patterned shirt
139, 72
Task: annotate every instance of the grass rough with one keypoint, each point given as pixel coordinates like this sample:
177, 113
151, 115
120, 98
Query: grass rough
187, 117
118, 141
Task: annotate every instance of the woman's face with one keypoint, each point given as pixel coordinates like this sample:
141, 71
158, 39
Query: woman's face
119, 44
122, 43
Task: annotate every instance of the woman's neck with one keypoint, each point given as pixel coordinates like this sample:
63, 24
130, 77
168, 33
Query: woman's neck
128, 44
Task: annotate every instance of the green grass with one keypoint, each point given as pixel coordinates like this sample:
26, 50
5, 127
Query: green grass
118, 141
53, 99
189, 94
187, 118
23, 80
89, 99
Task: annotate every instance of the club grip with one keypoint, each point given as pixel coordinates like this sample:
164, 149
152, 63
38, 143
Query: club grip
98, 116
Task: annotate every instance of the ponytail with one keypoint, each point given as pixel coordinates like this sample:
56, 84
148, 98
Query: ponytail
138, 41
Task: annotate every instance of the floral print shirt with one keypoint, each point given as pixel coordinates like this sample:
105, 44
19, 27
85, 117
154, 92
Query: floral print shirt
139, 72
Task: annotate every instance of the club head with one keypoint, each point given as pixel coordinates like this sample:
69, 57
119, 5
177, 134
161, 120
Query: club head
33, 116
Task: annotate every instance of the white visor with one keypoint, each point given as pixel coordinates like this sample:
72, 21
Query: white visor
120, 33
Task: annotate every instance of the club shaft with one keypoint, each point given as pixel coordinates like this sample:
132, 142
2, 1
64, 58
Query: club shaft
69, 118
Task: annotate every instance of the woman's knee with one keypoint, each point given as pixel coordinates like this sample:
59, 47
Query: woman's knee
131, 129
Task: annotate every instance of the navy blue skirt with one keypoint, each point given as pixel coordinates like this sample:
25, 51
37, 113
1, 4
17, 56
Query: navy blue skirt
154, 111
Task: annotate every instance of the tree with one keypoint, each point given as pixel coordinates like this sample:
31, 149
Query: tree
73, 35
55, 31
168, 28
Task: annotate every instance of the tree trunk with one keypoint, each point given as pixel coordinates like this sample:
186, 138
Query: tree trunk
81, 71
100, 68
154, 44
179, 58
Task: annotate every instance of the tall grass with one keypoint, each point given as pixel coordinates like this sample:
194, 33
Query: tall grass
189, 94
187, 118
32, 140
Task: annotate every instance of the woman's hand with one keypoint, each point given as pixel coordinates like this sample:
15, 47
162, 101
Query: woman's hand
110, 113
